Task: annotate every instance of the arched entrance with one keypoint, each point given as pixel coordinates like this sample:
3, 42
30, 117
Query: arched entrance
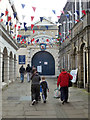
83, 65
44, 62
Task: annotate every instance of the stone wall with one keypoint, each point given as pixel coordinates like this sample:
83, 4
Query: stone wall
8, 60
77, 46
30, 51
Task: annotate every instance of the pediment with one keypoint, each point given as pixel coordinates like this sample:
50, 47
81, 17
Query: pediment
44, 22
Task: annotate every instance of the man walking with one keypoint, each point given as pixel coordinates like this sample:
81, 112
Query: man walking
22, 71
63, 80
28, 70
35, 86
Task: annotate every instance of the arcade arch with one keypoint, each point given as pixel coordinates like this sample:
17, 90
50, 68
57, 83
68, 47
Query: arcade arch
8, 66
44, 62
83, 59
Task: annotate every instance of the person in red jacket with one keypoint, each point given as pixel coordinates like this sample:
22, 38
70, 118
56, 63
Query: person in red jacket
63, 81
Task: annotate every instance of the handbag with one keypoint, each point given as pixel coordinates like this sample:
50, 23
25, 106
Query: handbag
70, 83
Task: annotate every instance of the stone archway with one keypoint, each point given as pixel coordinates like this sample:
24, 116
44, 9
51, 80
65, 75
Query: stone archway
44, 62
83, 65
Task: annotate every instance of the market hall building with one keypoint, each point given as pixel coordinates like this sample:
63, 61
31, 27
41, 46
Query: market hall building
8, 46
42, 52
74, 51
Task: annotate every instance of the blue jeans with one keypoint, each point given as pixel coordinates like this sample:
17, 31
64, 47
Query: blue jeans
44, 94
22, 77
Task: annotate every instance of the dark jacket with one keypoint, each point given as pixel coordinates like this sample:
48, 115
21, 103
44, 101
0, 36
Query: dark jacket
64, 78
44, 85
28, 69
22, 69
35, 79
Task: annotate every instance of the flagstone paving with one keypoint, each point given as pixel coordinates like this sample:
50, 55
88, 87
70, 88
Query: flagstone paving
16, 103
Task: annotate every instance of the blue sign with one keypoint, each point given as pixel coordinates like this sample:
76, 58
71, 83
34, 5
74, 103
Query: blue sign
21, 59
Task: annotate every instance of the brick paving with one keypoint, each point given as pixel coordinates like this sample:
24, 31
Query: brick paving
16, 103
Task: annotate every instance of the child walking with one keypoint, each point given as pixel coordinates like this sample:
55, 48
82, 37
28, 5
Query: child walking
44, 86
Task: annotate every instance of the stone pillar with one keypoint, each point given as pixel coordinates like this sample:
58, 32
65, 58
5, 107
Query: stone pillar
1, 60
29, 57
11, 71
80, 8
73, 61
12, 78
6, 69
80, 82
15, 69
68, 62
75, 10
84, 72
1, 57
88, 70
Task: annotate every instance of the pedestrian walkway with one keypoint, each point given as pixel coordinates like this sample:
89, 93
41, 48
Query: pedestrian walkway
16, 103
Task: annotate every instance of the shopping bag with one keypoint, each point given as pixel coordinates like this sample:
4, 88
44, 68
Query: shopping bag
56, 93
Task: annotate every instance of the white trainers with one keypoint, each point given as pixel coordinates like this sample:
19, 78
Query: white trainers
33, 102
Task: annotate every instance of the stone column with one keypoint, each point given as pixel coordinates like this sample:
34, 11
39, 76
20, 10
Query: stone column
1, 60
15, 69
29, 57
1, 57
80, 82
80, 8
73, 61
12, 77
68, 62
84, 72
10, 69
88, 70
75, 11
6, 69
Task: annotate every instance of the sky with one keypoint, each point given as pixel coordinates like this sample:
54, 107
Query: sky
43, 9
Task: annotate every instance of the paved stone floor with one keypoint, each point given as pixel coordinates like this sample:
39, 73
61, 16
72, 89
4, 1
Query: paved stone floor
16, 103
